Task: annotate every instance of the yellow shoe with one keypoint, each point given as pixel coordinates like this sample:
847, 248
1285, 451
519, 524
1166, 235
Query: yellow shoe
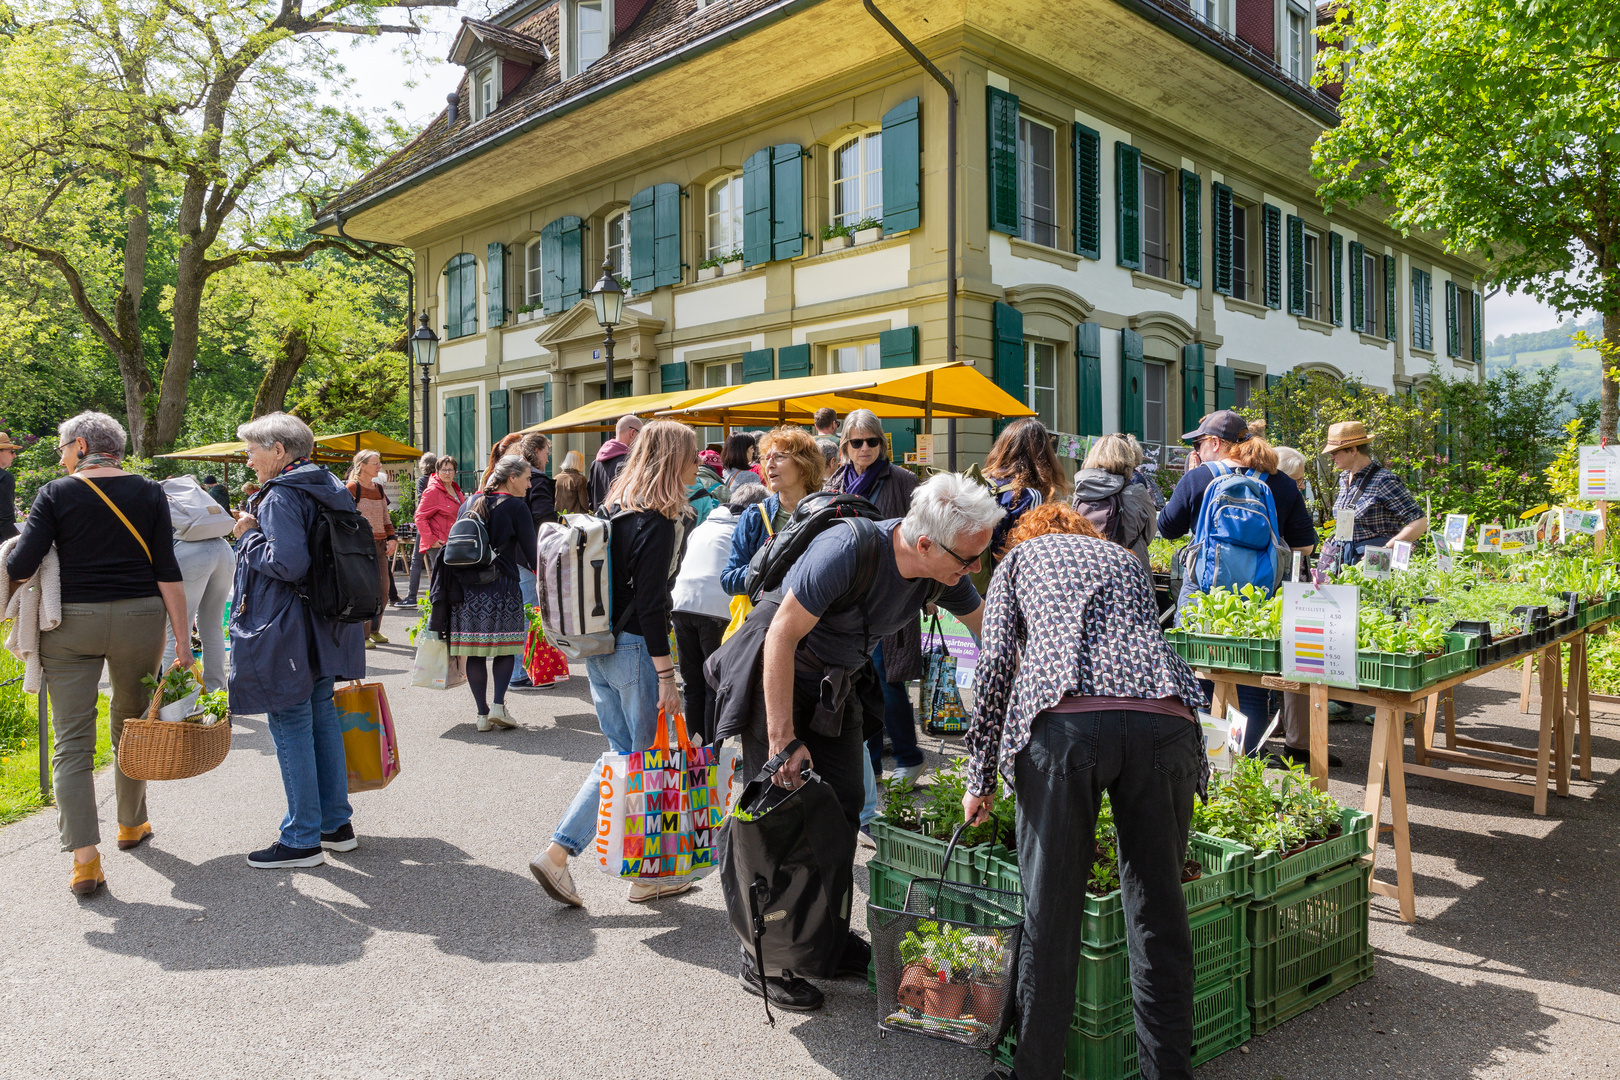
379, 639
87, 877
132, 837
370, 644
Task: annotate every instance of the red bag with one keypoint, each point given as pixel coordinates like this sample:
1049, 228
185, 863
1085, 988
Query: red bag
543, 662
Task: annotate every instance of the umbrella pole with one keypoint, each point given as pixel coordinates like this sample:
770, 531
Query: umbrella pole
928, 411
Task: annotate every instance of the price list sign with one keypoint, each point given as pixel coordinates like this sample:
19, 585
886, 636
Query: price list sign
1600, 473
1319, 633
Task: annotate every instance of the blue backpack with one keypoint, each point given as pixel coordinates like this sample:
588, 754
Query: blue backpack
1235, 541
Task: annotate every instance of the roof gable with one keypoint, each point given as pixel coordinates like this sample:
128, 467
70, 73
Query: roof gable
504, 42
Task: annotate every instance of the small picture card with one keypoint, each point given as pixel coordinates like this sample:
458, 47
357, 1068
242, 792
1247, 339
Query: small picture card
1490, 537
1152, 451
1518, 539
1344, 524
1071, 446
1443, 561
1376, 561
1175, 457
1400, 554
1578, 521
1456, 531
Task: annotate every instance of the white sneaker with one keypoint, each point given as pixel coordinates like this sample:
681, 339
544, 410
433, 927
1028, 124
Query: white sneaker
558, 882
500, 717
914, 773
643, 891
483, 722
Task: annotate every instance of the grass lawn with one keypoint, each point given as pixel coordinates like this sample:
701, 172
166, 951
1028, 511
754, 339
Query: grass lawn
19, 742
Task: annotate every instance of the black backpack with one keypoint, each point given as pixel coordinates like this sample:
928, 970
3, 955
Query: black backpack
1107, 514
815, 514
344, 583
467, 547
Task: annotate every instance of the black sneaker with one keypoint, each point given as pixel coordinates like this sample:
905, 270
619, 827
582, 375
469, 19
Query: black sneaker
340, 839
280, 855
857, 958
794, 995
520, 681
405, 603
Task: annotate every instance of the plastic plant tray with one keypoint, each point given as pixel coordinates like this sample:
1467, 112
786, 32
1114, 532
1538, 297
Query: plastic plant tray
1271, 874
1260, 655
1307, 932
1220, 1023
919, 855
1403, 671
1313, 993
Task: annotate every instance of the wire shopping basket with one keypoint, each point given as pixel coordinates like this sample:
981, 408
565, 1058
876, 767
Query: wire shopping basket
947, 964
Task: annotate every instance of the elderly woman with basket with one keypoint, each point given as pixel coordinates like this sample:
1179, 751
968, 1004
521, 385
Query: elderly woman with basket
285, 657
119, 580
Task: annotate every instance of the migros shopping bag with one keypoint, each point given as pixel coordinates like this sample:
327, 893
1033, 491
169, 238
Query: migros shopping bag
370, 745
660, 809
434, 667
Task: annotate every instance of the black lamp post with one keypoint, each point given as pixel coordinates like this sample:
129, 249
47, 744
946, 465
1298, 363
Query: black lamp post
608, 298
425, 347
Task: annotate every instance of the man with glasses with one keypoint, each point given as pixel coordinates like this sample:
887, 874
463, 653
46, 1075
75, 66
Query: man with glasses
1383, 509
820, 689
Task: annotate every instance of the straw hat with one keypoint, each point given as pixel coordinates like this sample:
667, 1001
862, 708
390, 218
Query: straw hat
1348, 433
7, 444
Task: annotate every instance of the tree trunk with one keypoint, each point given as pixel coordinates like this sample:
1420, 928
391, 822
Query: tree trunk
272, 395
1608, 391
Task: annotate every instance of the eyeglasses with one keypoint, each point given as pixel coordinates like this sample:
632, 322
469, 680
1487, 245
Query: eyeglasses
63, 446
856, 444
777, 458
967, 564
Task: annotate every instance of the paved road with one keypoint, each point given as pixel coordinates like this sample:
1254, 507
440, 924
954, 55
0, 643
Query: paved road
430, 951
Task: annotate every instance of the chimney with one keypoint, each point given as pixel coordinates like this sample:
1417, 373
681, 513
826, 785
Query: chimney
455, 110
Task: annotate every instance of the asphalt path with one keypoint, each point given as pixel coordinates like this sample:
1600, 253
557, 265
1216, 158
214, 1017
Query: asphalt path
431, 952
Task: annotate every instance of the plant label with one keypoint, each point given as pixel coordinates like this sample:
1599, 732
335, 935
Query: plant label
1518, 539
925, 449
1319, 633
1490, 537
1344, 524
1577, 521
1237, 727
1456, 531
1377, 561
1600, 473
1400, 554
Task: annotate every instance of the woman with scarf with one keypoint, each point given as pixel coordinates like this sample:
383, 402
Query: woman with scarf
866, 471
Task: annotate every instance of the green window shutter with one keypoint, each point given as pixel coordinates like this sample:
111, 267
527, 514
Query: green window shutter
641, 240
460, 296
1001, 147
1453, 323
898, 347
1009, 354
1479, 327
1225, 387
551, 288
1220, 212
1272, 382
573, 261
495, 276
1390, 294
545, 402
1271, 219
1088, 377
1128, 205
787, 201
1087, 192
1336, 275
1192, 230
468, 462
757, 208
1358, 285
1296, 266
499, 419
793, 362
666, 235
1131, 375
671, 377
757, 365
1422, 311
1192, 383
902, 168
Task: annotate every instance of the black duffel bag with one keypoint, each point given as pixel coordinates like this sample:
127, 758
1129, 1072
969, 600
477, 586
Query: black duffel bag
786, 867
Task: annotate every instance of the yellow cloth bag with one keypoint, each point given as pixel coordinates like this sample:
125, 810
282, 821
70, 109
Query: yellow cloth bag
741, 605
369, 742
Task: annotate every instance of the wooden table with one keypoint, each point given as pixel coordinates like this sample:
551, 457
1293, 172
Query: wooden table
1551, 758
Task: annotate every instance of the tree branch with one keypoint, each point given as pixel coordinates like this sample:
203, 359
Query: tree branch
365, 31
75, 284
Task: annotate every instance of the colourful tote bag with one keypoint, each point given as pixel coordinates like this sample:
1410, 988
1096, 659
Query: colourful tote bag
941, 701
661, 808
369, 742
543, 662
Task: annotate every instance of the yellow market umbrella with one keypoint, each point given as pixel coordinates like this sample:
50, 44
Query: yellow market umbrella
329, 449
601, 415
220, 451
933, 391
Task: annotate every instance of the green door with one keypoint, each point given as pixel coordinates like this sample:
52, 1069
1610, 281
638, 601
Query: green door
461, 438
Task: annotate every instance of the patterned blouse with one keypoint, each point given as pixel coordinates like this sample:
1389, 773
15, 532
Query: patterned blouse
1080, 611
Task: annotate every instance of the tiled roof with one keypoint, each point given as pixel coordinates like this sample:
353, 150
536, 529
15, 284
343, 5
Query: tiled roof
499, 36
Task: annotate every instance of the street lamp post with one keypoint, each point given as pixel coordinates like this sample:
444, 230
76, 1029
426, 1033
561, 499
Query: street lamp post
608, 298
425, 348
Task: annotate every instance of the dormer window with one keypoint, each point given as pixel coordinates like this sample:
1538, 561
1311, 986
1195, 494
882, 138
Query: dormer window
486, 90
590, 39
497, 60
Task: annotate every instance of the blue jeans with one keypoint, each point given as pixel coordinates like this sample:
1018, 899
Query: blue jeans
869, 778
624, 689
309, 747
531, 594
899, 721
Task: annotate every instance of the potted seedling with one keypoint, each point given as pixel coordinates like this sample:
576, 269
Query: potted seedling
732, 264
708, 269
211, 708
867, 230
917, 968
987, 983
180, 692
835, 237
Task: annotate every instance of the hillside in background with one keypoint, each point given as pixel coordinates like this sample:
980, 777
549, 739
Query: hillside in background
1577, 368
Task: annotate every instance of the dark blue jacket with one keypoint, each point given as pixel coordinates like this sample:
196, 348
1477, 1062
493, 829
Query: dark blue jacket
278, 646
749, 537
1180, 514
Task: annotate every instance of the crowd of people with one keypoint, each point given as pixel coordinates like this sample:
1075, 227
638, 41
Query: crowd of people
1077, 692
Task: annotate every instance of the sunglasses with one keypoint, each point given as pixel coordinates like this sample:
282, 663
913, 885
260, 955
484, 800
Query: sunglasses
873, 443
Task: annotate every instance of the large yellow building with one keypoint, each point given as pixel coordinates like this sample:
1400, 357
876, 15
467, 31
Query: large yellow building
1137, 236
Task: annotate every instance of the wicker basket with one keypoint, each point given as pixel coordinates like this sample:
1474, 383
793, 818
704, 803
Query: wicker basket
153, 749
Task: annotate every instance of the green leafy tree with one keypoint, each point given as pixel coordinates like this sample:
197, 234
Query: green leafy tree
1496, 123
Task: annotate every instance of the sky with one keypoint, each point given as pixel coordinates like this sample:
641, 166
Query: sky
414, 75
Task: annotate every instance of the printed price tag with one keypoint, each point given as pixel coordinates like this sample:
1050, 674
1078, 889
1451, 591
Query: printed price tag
1600, 473
1344, 524
1319, 633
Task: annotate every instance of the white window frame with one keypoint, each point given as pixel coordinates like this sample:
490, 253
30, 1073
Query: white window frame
1298, 43
1163, 242
1150, 370
534, 275
526, 395
1311, 250
866, 354
617, 253
717, 246
866, 181
1207, 11
576, 55
1372, 293
731, 374
1031, 226
1032, 387
486, 89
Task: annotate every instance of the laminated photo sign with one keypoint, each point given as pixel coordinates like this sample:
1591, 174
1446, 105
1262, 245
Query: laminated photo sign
1377, 561
1400, 555
1490, 537
1319, 633
1518, 539
1456, 531
1600, 473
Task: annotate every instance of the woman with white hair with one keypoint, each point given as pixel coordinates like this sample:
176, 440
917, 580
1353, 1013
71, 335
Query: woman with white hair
286, 657
119, 580
372, 502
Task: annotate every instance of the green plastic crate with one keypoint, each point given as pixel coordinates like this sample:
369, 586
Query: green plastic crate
887, 887
1405, 671
1307, 932
1102, 997
1307, 997
1271, 874
919, 855
1262, 655
1226, 877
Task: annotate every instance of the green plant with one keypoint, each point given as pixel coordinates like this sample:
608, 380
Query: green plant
708, 264
425, 606
899, 802
1245, 612
867, 223
1247, 807
215, 701
828, 232
954, 950
176, 683
735, 256
1105, 856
